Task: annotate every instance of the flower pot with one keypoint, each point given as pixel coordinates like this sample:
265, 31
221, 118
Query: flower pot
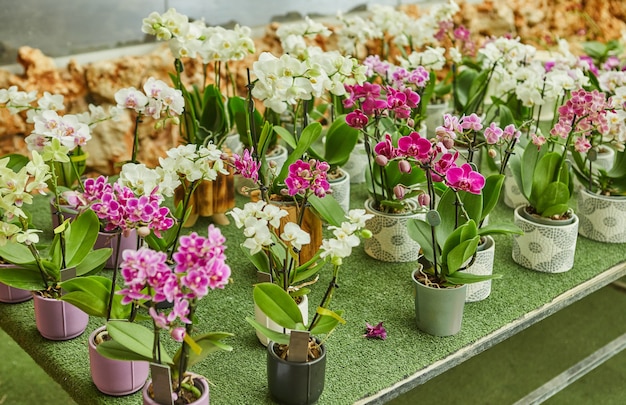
66, 210
602, 218
293, 383
546, 245
110, 240
12, 295
199, 381
482, 266
210, 199
311, 223
115, 377
58, 320
390, 241
513, 196
261, 318
340, 187
605, 159
356, 166
438, 311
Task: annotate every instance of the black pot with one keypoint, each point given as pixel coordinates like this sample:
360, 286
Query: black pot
292, 383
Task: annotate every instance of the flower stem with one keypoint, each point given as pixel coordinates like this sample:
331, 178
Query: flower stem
114, 277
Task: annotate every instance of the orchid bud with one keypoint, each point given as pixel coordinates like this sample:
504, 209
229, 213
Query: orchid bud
272, 164
381, 160
404, 166
399, 191
143, 231
492, 153
410, 122
423, 200
366, 233
178, 334
448, 143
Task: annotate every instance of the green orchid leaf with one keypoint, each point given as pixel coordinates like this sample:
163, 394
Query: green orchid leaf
209, 343
554, 198
527, 165
309, 135
332, 314
23, 278
545, 173
505, 228
80, 237
461, 254
340, 141
490, 195
420, 232
136, 338
94, 262
461, 277
259, 260
113, 350
325, 325
328, 209
286, 136
16, 253
278, 337
91, 295
463, 233
277, 304
306, 272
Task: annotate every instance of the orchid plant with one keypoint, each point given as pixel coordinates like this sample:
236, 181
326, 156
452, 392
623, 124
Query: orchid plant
209, 115
278, 304
38, 267
199, 266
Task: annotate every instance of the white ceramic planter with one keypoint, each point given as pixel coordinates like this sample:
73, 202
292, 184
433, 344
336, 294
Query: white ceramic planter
261, 318
513, 196
543, 247
482, 266
434, 116
602, 218
341, 190
390, 241
357, 164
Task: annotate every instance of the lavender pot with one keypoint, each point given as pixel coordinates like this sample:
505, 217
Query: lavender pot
58, 320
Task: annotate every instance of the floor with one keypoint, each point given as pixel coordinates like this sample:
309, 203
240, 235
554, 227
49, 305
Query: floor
501, 375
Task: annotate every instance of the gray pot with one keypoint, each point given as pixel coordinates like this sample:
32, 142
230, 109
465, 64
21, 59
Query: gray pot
292, 383
438, 311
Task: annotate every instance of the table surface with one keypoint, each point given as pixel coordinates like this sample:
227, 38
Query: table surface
359, 370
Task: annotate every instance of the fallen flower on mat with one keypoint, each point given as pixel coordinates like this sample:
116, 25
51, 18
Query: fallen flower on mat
377, 331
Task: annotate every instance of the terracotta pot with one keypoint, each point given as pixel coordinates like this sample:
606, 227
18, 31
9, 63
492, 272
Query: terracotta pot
390, 241
210, 199
110, 240
294, 383
58, 320
546, 245
200, 383
261, 318
115, 377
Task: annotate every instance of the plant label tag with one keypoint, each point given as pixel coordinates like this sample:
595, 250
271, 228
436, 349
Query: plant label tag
161, 383
433, 218
298, 346
263, 277
67, 274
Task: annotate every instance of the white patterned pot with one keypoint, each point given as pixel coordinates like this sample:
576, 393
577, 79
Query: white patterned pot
356, 165
261, 318
546, 247
390, 241
482, 266
602, 218
513, 196
341, 190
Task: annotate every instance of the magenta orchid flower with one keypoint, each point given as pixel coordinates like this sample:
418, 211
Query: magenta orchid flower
246, 166
415, 146
465, 178
304, 177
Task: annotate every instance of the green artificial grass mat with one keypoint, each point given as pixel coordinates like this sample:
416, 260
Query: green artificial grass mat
370, 291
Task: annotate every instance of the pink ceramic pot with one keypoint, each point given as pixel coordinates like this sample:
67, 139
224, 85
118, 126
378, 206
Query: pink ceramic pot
58, 320
109, 240
115, 377
12, 295
200, 383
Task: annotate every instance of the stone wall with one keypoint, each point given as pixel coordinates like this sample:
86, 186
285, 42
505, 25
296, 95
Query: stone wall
536, 21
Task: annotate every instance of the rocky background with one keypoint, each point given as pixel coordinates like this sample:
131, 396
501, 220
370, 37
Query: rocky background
537, 22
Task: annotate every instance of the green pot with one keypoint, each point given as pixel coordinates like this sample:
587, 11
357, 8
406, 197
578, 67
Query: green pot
438, 311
